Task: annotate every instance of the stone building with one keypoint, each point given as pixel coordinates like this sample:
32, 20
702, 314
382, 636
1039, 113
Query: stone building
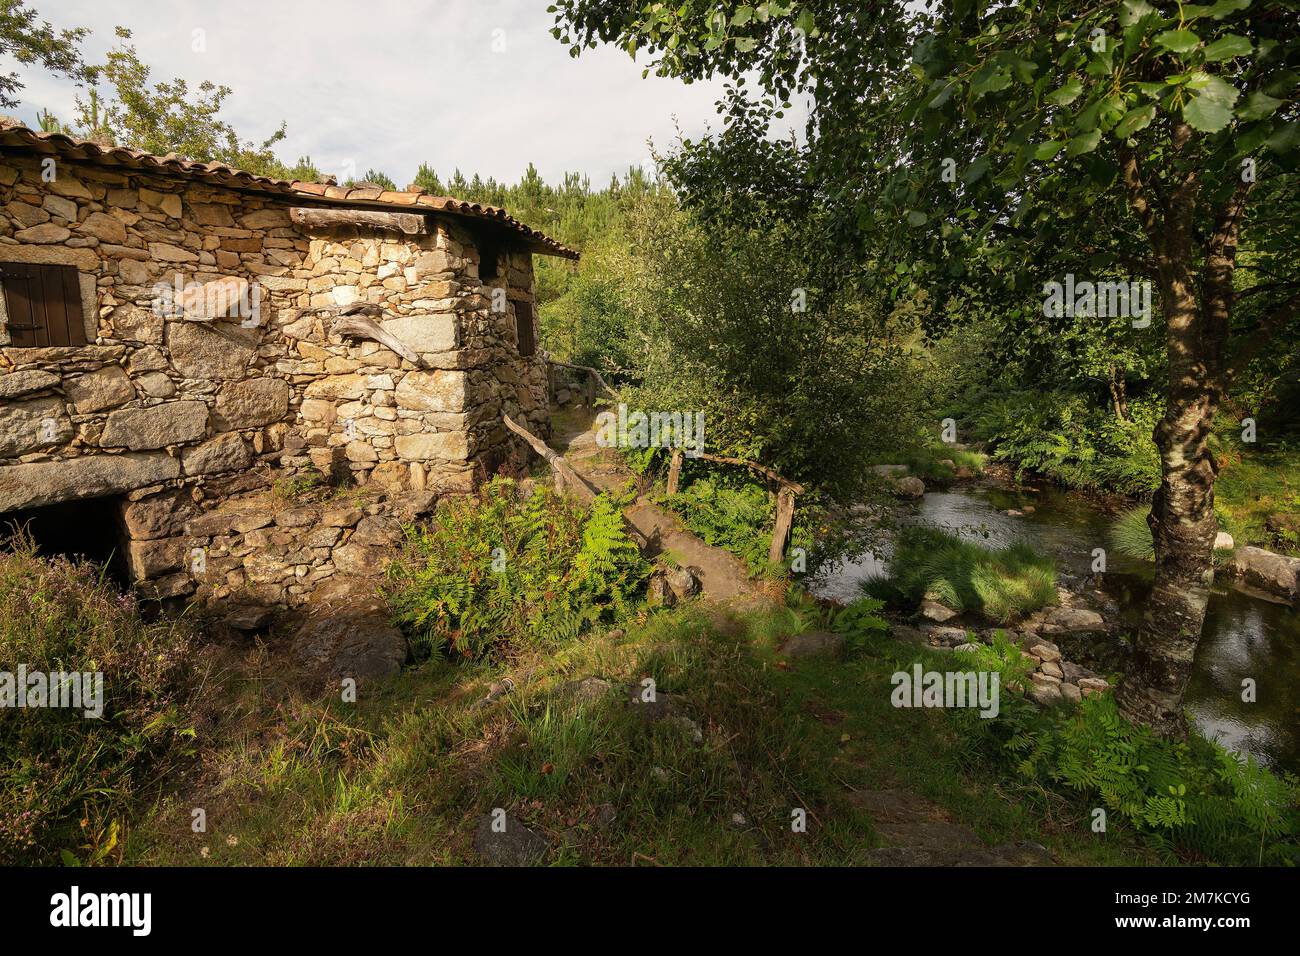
177, 336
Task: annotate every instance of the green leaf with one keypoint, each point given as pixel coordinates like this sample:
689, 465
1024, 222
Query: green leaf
1207, 114
1258, 106
742, 16
1084, 143
1048, 150
1131, 11
1178, 41
1067, 93
1135, 120
1285, 139
917, 219
1228, 47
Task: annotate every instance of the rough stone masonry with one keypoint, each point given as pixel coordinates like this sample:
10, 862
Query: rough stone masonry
126, 375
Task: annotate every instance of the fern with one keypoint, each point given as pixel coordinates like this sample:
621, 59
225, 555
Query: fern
492, 573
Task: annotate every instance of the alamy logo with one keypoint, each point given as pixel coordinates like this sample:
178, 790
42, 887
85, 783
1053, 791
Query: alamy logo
57, 689
1130, 300
923, 688
684, 430
74, 908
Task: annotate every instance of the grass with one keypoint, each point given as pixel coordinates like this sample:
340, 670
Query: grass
1257, 498
66, 779
1000, 584
405, 774
943, 463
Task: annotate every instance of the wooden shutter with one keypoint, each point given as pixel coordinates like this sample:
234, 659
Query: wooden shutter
44, 305
525, 326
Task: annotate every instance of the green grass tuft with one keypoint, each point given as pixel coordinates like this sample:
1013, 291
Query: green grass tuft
1001, 584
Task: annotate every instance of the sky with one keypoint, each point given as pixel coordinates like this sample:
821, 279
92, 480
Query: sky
386, 84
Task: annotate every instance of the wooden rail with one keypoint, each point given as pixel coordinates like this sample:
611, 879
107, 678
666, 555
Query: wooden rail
785, 496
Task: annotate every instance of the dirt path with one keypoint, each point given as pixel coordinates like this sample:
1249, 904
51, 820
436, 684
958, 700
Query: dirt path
914, 831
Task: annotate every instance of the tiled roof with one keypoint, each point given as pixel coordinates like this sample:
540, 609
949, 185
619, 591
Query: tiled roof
16, 136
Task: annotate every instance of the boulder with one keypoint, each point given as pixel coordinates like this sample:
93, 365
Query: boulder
1073, 620
349, 644
1271, 573
934, 611
909, 487
684, 582
139, 429
815, 644
658, 592
501, 840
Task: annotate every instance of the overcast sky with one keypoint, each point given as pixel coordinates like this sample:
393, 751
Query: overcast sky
479, 84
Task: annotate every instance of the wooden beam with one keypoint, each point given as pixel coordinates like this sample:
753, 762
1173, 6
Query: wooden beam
354, 326
406, 223
569, 479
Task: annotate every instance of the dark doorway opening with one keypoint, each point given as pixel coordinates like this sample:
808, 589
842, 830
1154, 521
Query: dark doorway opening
88, 530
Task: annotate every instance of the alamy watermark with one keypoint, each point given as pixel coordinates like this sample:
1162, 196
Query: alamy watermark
949, 689
1129, 300
74, 690
624, 429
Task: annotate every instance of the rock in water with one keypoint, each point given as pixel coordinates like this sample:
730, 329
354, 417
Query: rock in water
909, 487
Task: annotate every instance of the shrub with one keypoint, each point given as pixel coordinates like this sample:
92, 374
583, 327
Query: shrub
1001, 584
65, 779
493, 573
736, 518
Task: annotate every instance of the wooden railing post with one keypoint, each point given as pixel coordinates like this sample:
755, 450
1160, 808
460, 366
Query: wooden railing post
675, 471
784, 521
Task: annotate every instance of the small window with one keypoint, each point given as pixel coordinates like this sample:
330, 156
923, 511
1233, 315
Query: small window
525, 327
489, 258
43, 305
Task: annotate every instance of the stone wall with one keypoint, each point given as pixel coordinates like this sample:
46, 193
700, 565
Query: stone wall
164, 403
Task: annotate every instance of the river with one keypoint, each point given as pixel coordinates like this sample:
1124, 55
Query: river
1244, 636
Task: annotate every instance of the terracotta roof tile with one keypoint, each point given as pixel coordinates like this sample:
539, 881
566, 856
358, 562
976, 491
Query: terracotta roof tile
18, 137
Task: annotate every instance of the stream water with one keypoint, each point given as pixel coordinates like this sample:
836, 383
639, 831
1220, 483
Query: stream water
1244, 636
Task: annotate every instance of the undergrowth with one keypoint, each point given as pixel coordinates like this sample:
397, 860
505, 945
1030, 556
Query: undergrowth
492, 573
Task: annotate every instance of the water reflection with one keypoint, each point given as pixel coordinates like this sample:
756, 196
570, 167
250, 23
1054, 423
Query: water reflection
1244, 637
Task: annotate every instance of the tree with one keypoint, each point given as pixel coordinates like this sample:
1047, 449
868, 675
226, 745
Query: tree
169, 117
29, 42
1119, 135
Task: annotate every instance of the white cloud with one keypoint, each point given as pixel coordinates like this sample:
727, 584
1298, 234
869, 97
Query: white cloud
390, 84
